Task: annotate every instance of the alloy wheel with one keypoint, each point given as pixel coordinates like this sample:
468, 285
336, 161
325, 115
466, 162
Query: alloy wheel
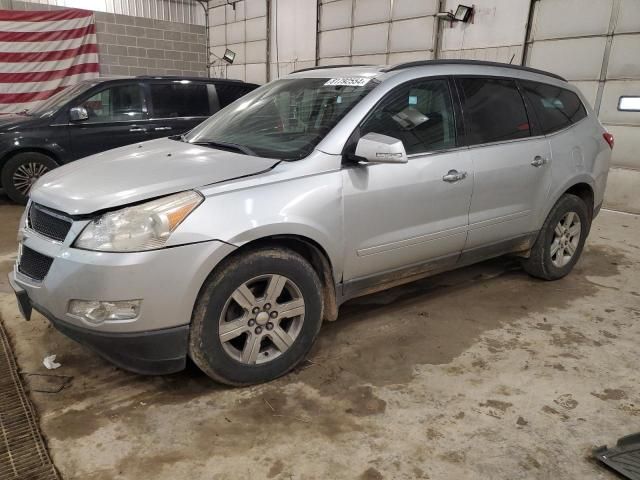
261, 319
26, 175
566, 237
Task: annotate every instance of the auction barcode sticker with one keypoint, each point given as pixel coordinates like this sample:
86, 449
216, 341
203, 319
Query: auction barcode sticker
347, 82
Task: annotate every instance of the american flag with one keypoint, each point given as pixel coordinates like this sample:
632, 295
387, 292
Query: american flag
42, 52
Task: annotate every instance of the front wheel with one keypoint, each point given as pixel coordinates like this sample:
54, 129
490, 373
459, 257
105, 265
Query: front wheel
21, 171
256, 317
561, 239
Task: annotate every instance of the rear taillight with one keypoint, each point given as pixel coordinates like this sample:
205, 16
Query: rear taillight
608, 138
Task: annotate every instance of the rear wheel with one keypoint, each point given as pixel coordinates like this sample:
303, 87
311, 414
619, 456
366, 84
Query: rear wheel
256, 317
21, 171
561, 240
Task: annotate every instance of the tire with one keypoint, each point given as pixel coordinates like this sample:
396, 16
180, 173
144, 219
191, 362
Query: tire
553, 255
224, 306
21, 171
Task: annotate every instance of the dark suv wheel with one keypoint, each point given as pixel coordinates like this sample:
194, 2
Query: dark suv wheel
256, 317
561, 239
21, 171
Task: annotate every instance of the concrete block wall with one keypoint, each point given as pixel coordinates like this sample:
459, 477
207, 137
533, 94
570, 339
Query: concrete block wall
141, 46
131, 45
599, 54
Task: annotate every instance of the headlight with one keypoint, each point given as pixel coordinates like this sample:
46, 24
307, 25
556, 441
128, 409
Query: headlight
143, 227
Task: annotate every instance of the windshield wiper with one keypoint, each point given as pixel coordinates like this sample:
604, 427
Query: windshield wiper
227, 146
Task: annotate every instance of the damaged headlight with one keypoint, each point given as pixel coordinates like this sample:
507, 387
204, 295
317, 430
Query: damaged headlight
142, 227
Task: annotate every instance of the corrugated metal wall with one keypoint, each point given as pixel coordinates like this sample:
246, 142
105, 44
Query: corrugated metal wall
598, 49
242, 28
376, 31
496, 32
182, 11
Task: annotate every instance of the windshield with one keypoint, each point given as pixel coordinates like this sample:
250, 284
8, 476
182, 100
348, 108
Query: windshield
284, 119
53, 103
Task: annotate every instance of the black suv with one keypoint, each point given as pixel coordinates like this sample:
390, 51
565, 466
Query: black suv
101, 114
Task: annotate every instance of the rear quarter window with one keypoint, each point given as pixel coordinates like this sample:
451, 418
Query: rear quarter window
555, 107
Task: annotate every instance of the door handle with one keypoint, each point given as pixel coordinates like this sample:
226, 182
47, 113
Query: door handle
538, 161
454, 176
137, 129
159, 129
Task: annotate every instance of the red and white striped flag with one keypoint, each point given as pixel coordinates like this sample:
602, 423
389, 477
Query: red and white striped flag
42, 52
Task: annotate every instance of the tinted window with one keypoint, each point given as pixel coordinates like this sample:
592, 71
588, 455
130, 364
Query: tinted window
229, 92
419, 114
493, 110
555, 107
115, 104
179, 100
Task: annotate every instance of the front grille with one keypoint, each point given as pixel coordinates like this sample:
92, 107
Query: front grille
33, 264
48, 223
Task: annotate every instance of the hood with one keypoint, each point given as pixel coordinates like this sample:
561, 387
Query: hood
10, 120
138, 172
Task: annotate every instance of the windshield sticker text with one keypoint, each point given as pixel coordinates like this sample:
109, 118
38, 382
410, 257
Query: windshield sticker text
347, 82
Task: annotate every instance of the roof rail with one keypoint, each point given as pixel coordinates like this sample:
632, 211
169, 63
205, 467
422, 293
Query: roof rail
178, 77
426, 63
320, 67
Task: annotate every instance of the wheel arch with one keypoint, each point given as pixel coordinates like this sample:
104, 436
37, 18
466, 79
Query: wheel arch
311, 251
582, 186
585, 192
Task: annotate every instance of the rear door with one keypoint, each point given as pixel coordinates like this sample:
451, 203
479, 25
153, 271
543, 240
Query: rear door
176, 106
512, 174
117, 117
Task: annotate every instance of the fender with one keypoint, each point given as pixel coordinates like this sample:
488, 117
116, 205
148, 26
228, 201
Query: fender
556, 193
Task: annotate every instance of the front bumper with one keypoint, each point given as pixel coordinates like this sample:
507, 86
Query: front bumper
151, 353
167, 281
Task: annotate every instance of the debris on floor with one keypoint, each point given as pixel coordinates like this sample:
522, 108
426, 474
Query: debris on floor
50, 362
624, 457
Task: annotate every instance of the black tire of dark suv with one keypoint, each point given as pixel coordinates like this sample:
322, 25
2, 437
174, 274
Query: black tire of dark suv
21, 171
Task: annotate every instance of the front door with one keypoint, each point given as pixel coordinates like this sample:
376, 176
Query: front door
511, 163
401, 218
117, 117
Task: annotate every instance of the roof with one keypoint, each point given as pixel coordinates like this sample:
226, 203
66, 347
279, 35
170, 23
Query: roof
482, 63
165, 77
374, 71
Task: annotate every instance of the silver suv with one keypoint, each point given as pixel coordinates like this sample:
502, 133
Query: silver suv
231, 244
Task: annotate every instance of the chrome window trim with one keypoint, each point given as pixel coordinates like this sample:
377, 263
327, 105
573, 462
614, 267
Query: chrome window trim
562, 130
129, 122
193, 117
437, 152
503, 142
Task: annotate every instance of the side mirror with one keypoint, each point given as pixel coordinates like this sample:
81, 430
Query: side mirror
77, 114
377, 148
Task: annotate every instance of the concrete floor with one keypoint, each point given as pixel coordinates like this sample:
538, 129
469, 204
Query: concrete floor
479, 373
